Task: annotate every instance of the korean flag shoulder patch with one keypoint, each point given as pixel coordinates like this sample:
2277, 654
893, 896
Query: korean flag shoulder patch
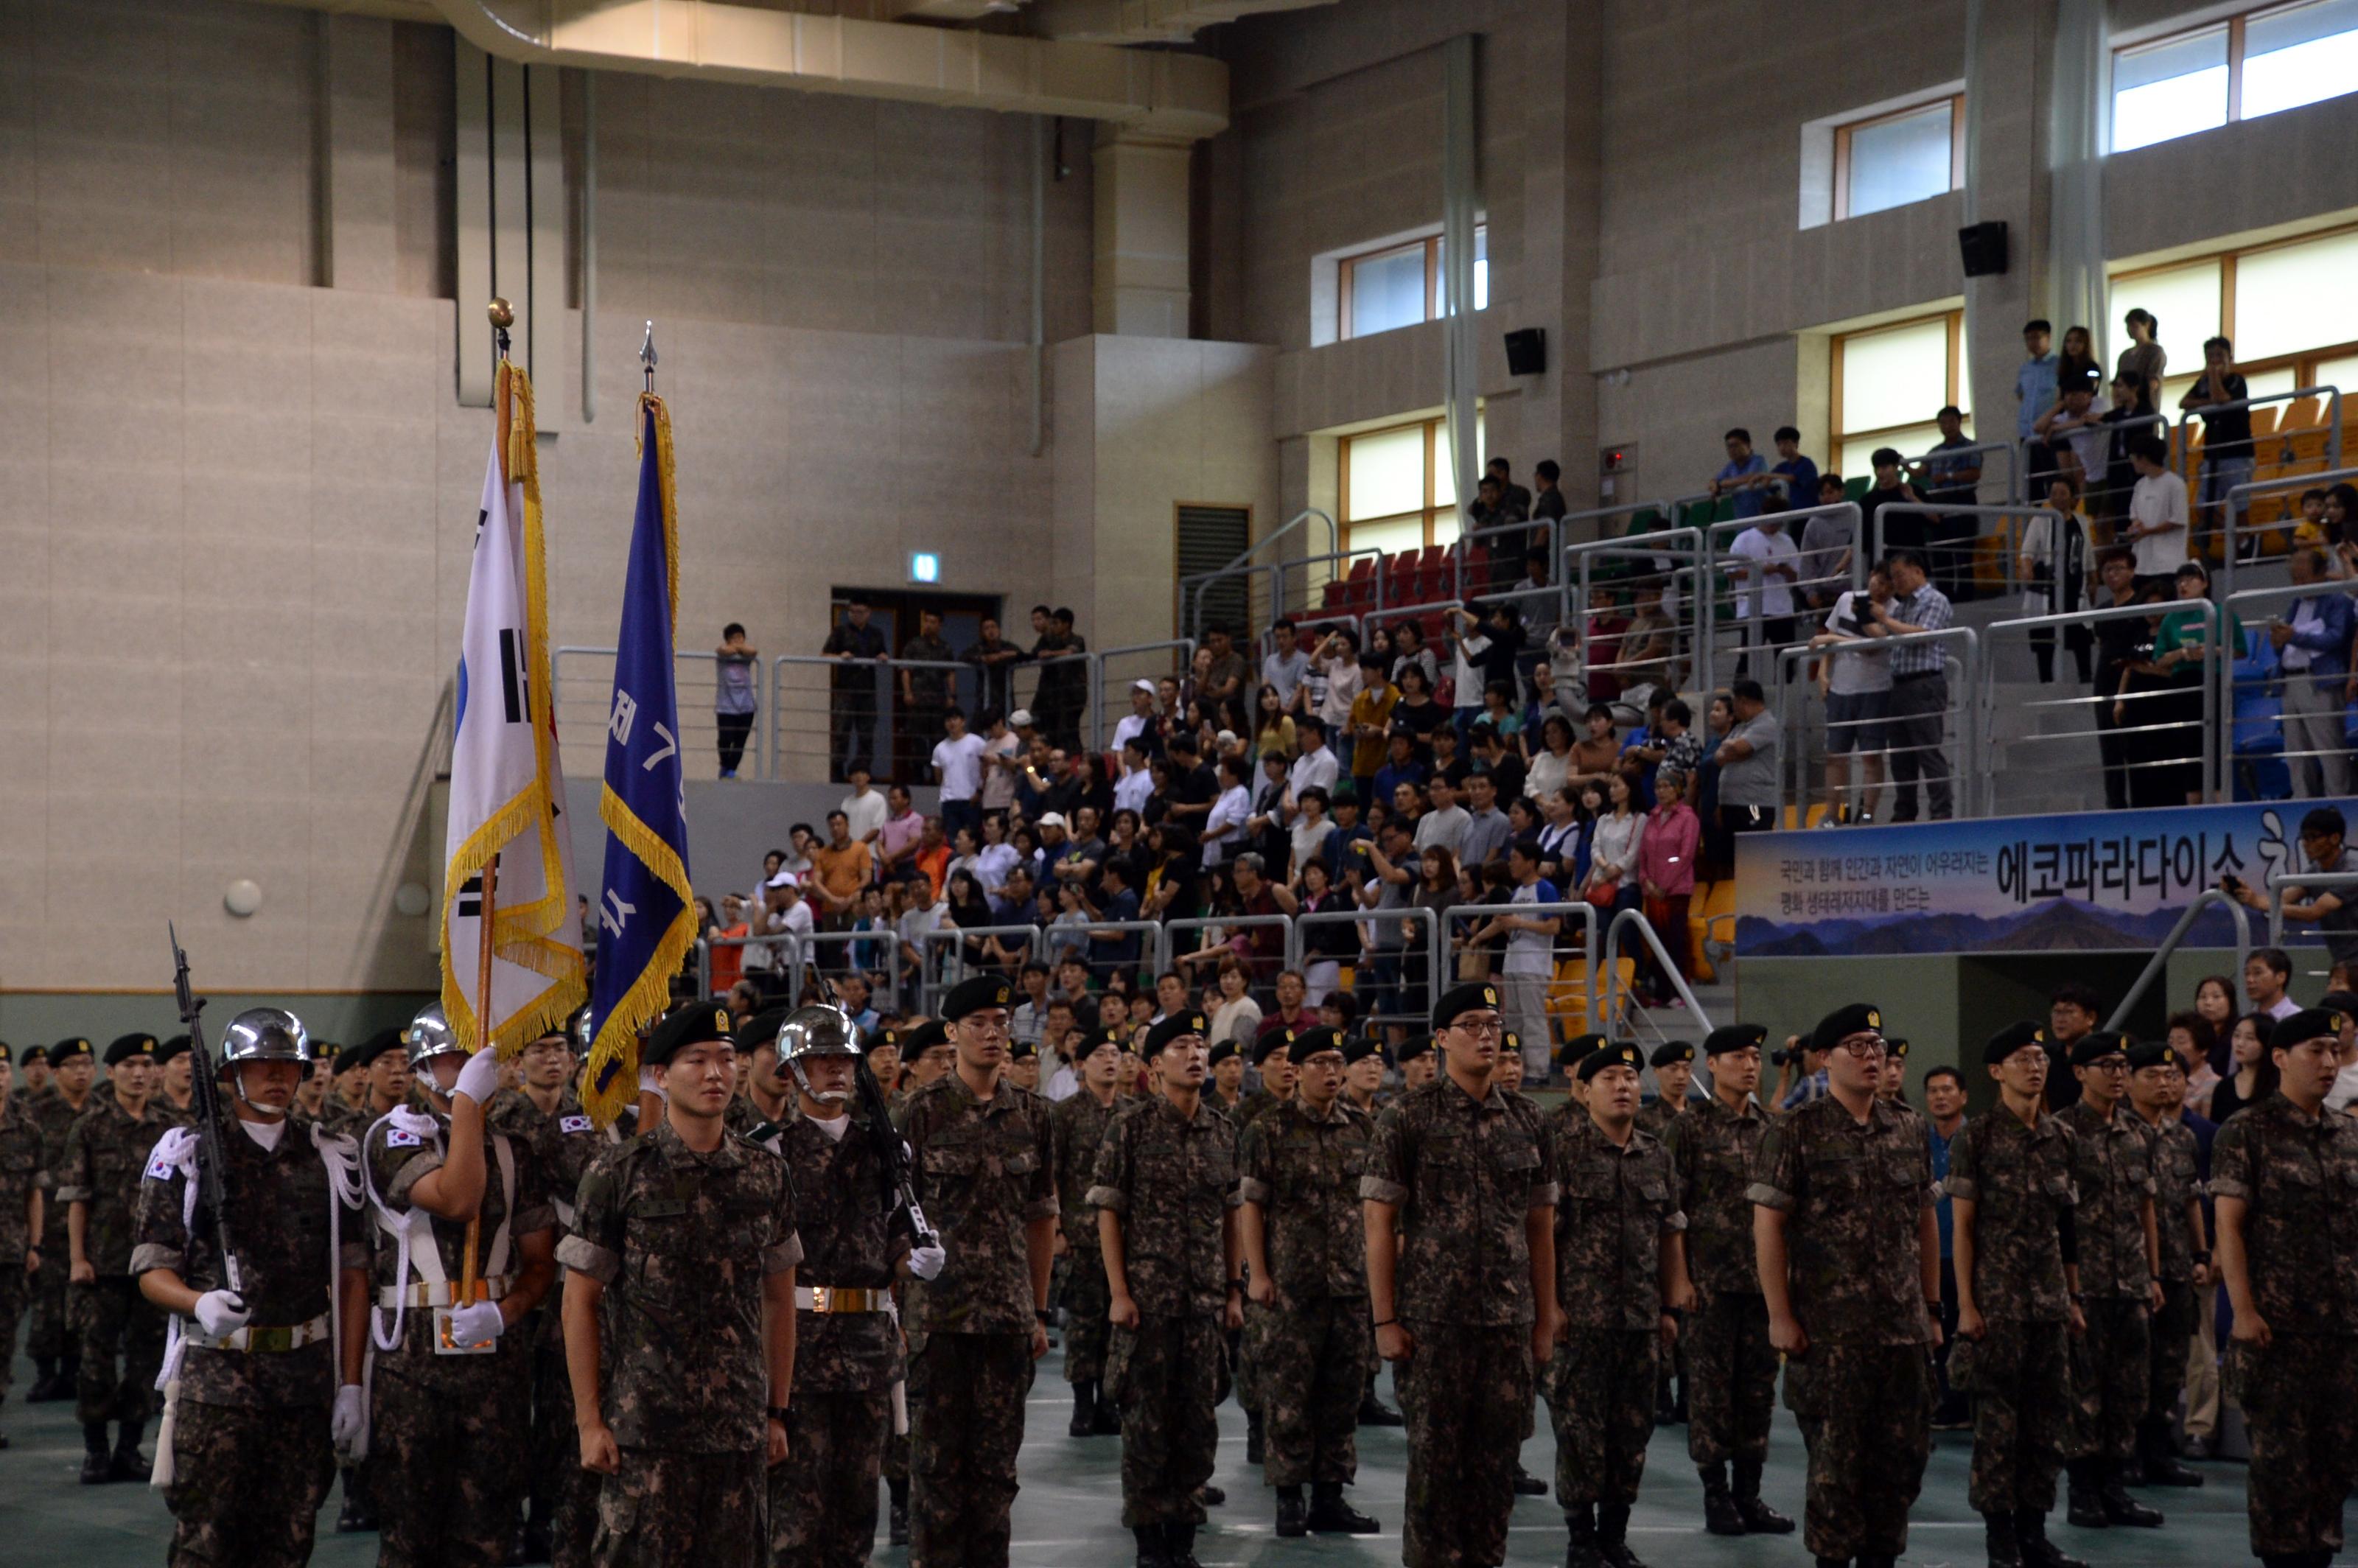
573, 1124
395, 1138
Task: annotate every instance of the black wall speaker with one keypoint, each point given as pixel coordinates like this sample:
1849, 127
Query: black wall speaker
1983, 246
1527, 351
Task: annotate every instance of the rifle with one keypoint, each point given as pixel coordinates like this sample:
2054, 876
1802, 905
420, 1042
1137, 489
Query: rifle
204, 1098
893, 1152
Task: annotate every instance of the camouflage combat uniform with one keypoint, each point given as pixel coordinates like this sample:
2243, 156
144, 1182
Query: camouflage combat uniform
447, 1432
984, 1174
122, 1335
1733, 1368
251, 1460
47, 1336
2295, 1174
1656, 1117
1464, 1176
24, 1171
2019, 1180
1312, 1342
2177, 1177
1853, 1193
1614, 1206
1171, 1177
847, 1358
2113, 1178
1077, 1124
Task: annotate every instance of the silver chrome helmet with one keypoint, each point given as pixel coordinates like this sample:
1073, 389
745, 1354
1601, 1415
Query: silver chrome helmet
265, 1034
818, 1030
580, 1031
430, 1034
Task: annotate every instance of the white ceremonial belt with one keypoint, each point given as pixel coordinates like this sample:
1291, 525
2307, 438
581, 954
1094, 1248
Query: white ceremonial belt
260, 1338
442, 1294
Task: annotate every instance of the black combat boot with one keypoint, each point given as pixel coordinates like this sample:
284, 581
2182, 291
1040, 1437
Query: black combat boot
1293, 1513
95, 1464
1151, 1553
356, 1517
1330, 1515
2161, 1466
46, 1385
1255, 1445
2037, 1551
1759, 1517
1528, 1485
1211, 1496
129, 1464
1179, 1546
2118, 1506
1085, 1411
2085, 1509
1373, 1411
1719, 1515
897, 1520
2004, 1547
1108, 1420
1613, 1536
1581, 1552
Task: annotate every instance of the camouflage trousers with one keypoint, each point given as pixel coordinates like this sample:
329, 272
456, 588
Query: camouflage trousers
2299, 1398
1600, 1385
2173, 1333
1087, 1298
1731, 1379
122, 1338
246, 1484
2111, 1365
558, 1493
1866, 1412
823, 1499
1168, 1375
965, 1425
1314, 1371
2020, 1375
446, 1471
1465, 1391
15, 1289
660, 1508
46, 1332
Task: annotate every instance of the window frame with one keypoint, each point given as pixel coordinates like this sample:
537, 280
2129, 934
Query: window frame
1436, 441
1836, 434
2235, 25
2228, 260
1842, 133
1345, 267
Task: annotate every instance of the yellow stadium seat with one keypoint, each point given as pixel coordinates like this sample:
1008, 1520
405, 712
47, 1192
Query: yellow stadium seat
1569, 999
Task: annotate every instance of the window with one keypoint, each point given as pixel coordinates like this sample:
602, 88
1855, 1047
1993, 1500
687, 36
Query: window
1403, 284
1890, 382
2287, 307
1893, 159
2280, 56
1397, 493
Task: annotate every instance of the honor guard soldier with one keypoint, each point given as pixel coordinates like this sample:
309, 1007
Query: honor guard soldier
1850, 1267
679, 1316
2120, 1252
2282, 1173
1459, 1204
451, 1392
984, 1169
1077, 1124
1731, 1366
122, 1335
854, 1233
1165, 1192
24, 1172
264, 1378
1621, 1272
2156, 1095
56, 1348
2015, 1254
1307, 1267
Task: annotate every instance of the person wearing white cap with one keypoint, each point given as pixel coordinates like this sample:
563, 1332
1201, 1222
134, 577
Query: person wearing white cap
1140, 720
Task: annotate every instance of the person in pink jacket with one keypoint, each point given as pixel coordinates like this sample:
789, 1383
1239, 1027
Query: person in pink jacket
1666, 851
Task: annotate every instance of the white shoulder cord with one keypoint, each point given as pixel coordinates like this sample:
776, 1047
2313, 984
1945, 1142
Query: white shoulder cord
427, 1130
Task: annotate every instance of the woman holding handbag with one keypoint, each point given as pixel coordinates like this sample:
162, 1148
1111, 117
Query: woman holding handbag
1666, 852
1613, 848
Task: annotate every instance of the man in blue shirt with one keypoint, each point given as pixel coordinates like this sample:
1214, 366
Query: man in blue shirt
1800, 474
1944, 1117
1746, 472
2312, 644
2033, 384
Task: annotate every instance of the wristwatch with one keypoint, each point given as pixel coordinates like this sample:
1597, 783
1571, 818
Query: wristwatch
778, 1414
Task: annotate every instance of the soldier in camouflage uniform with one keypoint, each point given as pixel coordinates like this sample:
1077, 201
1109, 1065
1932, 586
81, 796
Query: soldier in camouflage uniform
175, 1094
451, 1387
122, 1336
1363, 1077
1227, 1090
2119, 1248
1459, 1201
1272, 1060
1733, 1368
2156, 1094
266, 1375
1673, 1065
1308, 1280
56, 1352
985, 1173
24, 1173
1850, 1267
1418, 1064
1507, 1077
853, 1233
2016, 1257
917, 1055
1078, 1125
1165, 1193
1621, 1269
2281, 1175
679, 1318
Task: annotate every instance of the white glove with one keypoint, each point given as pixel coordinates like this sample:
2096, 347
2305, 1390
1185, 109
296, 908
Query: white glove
651, 1083
349, 1426
479, 1080
477, 1325
221, 1312
927, 1261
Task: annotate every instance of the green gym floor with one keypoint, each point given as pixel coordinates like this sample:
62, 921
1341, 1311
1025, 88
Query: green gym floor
1069, 1513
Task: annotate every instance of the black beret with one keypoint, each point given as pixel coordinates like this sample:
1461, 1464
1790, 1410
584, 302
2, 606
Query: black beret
1845, 1022
2008, 1040
2151, 1053
924, 1038
2309, 1023
1625, 1055
171, 1048
760, 1030
1359, 1047
2342, 1003
1092, 1039
1310, 1042
1671, 1051
975, 995
2098, 1042
1178, 1026
1896, 1044
690, 1023
1022, 1050
377, 1044
1734, 1038
128, 1046
347, 1059
7, 1054
1475, 997
1416, 1045
1576, 1049
1224, 1050
877, 1040
66, 1049
1264, 1047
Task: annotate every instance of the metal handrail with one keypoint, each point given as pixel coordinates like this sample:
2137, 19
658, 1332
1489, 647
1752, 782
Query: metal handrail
1685, 547
930, 983
1915, 465
1719, 561
790, 941
2013, 550
2332, 427
575, 652
2160, 959
2241, 495
1297, 951
1645, 932
2081, 618
1574, 909
2253, 598
2277, 882
1194, 584
1966, 708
